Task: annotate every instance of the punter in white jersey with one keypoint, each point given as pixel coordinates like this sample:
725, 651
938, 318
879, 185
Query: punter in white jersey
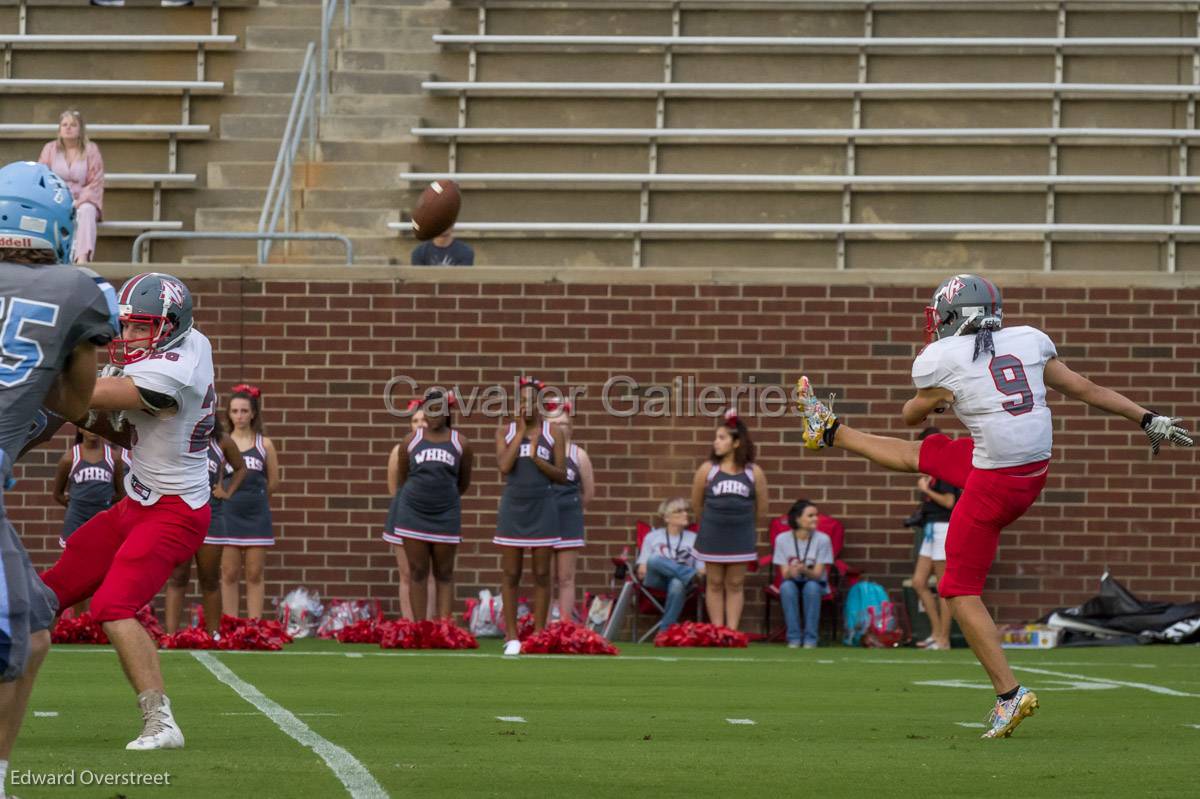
122, 557
995, 379
1010, 433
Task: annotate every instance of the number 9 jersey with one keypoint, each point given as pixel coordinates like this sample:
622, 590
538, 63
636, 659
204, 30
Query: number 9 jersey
170, 449
1001, 399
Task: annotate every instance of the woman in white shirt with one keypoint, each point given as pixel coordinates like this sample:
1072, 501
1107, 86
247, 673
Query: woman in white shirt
667, 561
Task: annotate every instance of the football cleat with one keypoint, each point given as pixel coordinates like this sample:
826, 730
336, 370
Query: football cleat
1006, 716
159, 730
819, 419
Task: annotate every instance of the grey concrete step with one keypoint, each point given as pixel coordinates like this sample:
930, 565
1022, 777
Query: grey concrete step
353, 221
391, 247
376, 17
403, 61
281, 38
367, 128
389, 151
381, 104
283, 81
253, 126
256, 103
322, 174
397, 39
232, 219
404, 195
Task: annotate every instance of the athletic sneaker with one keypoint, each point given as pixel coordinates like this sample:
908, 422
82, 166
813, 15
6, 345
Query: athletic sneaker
819, 420
1005, 716
159, 730
512, 648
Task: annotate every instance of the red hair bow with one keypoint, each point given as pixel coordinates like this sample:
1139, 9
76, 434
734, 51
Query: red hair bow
246, 388
731, 418
448, 396
553, 405
532, 381
413, 405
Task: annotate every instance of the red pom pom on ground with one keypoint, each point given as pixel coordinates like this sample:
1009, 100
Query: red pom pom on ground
564, 638
81, 629
693, 634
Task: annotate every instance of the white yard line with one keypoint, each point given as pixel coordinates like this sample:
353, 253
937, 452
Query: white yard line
45, 714
350, 772
1157, 689
972, 724
513, 719
742, 721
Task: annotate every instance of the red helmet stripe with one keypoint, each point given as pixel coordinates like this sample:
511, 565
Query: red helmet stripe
991, 287
130, 285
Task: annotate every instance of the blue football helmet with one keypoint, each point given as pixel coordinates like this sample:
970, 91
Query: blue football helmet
36, 210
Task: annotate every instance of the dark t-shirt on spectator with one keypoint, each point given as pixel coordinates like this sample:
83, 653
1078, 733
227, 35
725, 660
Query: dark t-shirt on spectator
933, 512
457, 254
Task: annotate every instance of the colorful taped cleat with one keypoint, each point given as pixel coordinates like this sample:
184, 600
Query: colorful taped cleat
1005, 716
819, 419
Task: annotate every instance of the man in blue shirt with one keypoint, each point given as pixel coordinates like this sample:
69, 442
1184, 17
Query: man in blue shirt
443, 250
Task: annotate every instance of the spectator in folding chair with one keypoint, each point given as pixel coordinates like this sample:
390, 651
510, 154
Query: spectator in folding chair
76, 159
841, 576
667, 560
730, 492
803, 556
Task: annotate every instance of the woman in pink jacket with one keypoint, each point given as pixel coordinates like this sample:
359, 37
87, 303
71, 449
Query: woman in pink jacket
77, 161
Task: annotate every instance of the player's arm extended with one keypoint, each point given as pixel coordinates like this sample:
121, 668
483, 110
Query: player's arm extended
71, 392
122, 394
927, 400
1062, 378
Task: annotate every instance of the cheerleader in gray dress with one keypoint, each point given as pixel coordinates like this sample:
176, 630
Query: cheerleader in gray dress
572, 498
730, 492
416, 420
432, 474
247, 514
531, 459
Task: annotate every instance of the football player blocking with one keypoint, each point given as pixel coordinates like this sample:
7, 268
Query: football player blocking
995, 380
52, 318
160, 384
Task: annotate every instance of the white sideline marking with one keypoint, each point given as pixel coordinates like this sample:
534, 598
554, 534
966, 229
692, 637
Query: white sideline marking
972, 724
354, 654
1045, 685
741, 721
1145, 686
349, 771
513, 719
45, 714
1193, 726
252, 713
825, 661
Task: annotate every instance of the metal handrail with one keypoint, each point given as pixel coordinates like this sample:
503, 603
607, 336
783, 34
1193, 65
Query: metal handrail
312, 87
136, 253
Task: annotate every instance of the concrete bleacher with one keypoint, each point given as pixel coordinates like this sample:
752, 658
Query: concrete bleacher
620, 132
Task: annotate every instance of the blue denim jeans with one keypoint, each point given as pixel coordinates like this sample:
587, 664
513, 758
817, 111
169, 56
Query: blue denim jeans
790, 594
664, 574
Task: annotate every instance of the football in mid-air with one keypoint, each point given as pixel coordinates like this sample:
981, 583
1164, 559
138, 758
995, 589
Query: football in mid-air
437, 210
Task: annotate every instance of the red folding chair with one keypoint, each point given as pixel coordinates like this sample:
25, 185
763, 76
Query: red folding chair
642, 598
839, 573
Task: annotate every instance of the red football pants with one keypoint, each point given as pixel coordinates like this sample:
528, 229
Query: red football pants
991, 500
122, 556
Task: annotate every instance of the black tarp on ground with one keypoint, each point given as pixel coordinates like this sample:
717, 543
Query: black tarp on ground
1116, 616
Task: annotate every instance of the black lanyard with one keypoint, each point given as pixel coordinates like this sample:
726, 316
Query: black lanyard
674, 554
796, 544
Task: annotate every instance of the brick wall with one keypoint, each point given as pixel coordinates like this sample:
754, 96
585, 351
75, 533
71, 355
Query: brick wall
323, 351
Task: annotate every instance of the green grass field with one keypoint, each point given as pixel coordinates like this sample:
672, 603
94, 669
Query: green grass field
652, 722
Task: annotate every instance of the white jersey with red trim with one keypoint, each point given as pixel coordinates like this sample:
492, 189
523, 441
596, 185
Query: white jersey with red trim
170, 450
1001, 398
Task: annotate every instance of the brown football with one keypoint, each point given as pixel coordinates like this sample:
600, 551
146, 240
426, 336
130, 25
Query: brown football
437, 210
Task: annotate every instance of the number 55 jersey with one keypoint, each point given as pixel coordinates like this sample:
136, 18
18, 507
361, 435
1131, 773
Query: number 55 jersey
170, 449
1000, 398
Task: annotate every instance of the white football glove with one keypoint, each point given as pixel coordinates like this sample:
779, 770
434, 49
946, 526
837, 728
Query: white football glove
110, 370
1165, 427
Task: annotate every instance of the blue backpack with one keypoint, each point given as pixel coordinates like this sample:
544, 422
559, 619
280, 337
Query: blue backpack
865, 600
